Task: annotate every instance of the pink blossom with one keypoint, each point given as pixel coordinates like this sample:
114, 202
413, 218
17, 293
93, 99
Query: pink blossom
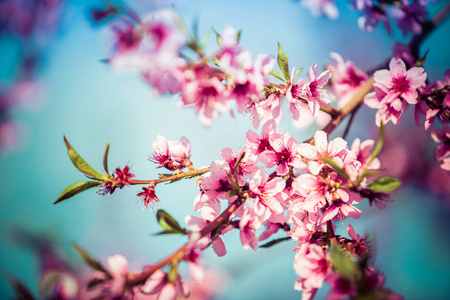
299, 232
314, 89
371, 15
392, 87
248, 224
205, 93
259, 144
340, 209
346, 79
441, 136
284, 154
314, 189
294, 93
313, 266
197, 224
158, 283
247, 165
321, 149
216, 184
266, 190
171, 155
403, 52
409, 16
322, 7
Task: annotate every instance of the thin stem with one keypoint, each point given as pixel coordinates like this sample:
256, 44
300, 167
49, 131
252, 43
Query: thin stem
140, 278
331, 234
350, 106
427, 28
350, 121
173, 177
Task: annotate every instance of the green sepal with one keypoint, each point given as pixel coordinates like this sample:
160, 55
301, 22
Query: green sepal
172, 275
341, 172
238, 36
105, 158
274, 242
164, 175
385, 184
277, 75
94, 282
81, 164
342, 263
231, 193
167, 222
283, 63
93, 263
76, 188
215, 62
421, 61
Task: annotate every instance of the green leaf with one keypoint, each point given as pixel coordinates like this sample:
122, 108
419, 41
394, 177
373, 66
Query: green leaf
297, 72
105, 158
94, 264
282, 60
385, 184
274, 242
379, 144
341, 172
170, 232
81, 164
342, 263
167, 222
76, 188
277, 75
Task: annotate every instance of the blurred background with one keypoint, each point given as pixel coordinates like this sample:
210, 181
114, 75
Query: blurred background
67, 90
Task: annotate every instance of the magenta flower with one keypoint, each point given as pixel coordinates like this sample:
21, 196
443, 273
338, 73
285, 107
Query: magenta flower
314, 91
284, 154
149, 196
119, 180
392, 87
259, 144
346, 80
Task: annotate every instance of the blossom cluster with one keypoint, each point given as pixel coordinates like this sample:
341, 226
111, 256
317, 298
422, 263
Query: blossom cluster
274, 182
